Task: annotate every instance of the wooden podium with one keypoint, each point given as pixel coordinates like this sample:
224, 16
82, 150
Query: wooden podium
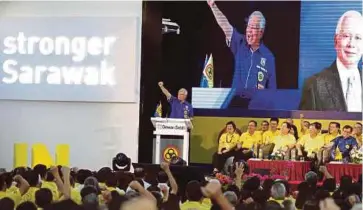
171, 127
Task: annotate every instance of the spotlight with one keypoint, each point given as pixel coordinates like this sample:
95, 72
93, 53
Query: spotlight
121, 162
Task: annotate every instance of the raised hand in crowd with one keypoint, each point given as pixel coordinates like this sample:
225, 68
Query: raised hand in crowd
57, 179
174, 186
213, 190
239, 169
135, 185
164, 166
165, 191
239, 172
325, 171
66, 171
23, 184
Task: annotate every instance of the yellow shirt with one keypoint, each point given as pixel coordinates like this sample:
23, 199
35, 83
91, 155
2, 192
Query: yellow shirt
13, 189
29, 195
16, 197
302, 133
278, 201
282, 141
53, 188
260, 132
247, 140
207, 202
121, 192
75, 196
268, 136
311, 144
281, 201
228, 141
193, 205
329, 137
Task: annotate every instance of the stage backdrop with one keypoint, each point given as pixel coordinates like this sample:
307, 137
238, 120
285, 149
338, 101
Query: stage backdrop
204, 138
93, 132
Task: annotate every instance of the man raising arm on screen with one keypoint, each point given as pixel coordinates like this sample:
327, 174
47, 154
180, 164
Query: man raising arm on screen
254, 62
180, 108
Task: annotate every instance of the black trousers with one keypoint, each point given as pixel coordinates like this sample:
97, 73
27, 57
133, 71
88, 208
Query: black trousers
219, 160
240, 155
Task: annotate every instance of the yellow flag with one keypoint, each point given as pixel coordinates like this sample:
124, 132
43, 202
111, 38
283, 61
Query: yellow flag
159, 110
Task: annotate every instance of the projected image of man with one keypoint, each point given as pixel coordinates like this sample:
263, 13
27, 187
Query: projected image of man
254, 62
339, 87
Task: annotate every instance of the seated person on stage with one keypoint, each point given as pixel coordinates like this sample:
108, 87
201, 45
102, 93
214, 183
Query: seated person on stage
248, 142
311, 143
264, 127
333, 132
268, 136
357, 133
226, 146
343, 144
285, 141
304, 124
294, 132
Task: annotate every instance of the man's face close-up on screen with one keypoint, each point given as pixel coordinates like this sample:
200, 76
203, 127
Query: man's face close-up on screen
349, 43
253, 30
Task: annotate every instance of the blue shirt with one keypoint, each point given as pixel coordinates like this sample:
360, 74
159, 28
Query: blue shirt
251, 68
344, 145
183, 110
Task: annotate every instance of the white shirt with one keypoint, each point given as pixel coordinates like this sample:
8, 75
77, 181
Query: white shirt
354, 101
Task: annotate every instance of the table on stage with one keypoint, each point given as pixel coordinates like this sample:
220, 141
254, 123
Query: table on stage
337, 170
294, 170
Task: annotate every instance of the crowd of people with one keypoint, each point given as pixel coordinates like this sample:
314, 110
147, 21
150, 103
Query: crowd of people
311, 142
70, 189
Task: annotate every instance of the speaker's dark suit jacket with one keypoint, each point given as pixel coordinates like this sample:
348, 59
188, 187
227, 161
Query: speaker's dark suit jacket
323, 91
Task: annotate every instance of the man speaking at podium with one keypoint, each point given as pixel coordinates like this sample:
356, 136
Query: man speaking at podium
180, 108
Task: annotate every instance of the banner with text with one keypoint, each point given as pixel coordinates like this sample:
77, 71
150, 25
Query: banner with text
92, 59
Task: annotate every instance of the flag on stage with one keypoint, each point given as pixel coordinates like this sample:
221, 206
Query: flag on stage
208, 73
158, 110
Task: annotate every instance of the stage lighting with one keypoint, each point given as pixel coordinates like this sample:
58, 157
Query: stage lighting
177, 161
169, 27
121, 162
